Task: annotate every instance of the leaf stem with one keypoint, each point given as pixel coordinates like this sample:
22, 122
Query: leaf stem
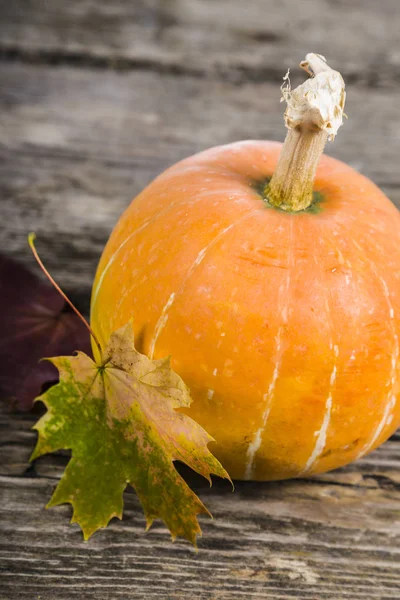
31, 241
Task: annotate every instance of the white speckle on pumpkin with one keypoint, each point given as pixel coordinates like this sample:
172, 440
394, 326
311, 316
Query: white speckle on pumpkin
210, 394
202, 289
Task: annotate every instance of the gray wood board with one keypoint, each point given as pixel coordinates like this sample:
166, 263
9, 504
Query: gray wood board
77, 145
221, 38
334, 536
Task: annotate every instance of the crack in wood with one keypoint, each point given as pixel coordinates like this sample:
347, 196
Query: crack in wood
235, 73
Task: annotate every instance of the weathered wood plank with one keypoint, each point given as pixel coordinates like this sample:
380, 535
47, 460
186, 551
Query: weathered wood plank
208, 37
331, 537
77, 145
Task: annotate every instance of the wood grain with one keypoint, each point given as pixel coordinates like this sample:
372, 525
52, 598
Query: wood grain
212, 38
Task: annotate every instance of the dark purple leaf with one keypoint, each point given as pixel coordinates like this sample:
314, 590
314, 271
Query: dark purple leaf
35, 322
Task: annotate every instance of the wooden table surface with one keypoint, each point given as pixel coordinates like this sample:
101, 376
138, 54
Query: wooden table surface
97, 98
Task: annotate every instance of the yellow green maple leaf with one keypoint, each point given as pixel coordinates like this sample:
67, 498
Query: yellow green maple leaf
119, 419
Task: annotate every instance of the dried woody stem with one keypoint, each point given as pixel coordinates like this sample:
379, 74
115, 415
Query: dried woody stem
313, 115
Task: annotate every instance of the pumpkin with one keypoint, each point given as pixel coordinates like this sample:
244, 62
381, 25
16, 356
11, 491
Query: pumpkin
271, 275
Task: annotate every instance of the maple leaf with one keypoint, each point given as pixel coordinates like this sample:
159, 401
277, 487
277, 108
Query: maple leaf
34, 323
119, 419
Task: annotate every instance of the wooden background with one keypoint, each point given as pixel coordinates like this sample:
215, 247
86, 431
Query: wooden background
96, 98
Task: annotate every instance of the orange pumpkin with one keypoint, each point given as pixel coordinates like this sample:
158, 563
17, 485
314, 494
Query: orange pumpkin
285, 324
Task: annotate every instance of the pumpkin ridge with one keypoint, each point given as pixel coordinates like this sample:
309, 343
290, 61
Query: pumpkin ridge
148, 221
321, 439
255, 445
162, 320
390, 405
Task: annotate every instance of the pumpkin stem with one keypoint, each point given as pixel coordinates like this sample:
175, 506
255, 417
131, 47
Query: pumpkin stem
313, 115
